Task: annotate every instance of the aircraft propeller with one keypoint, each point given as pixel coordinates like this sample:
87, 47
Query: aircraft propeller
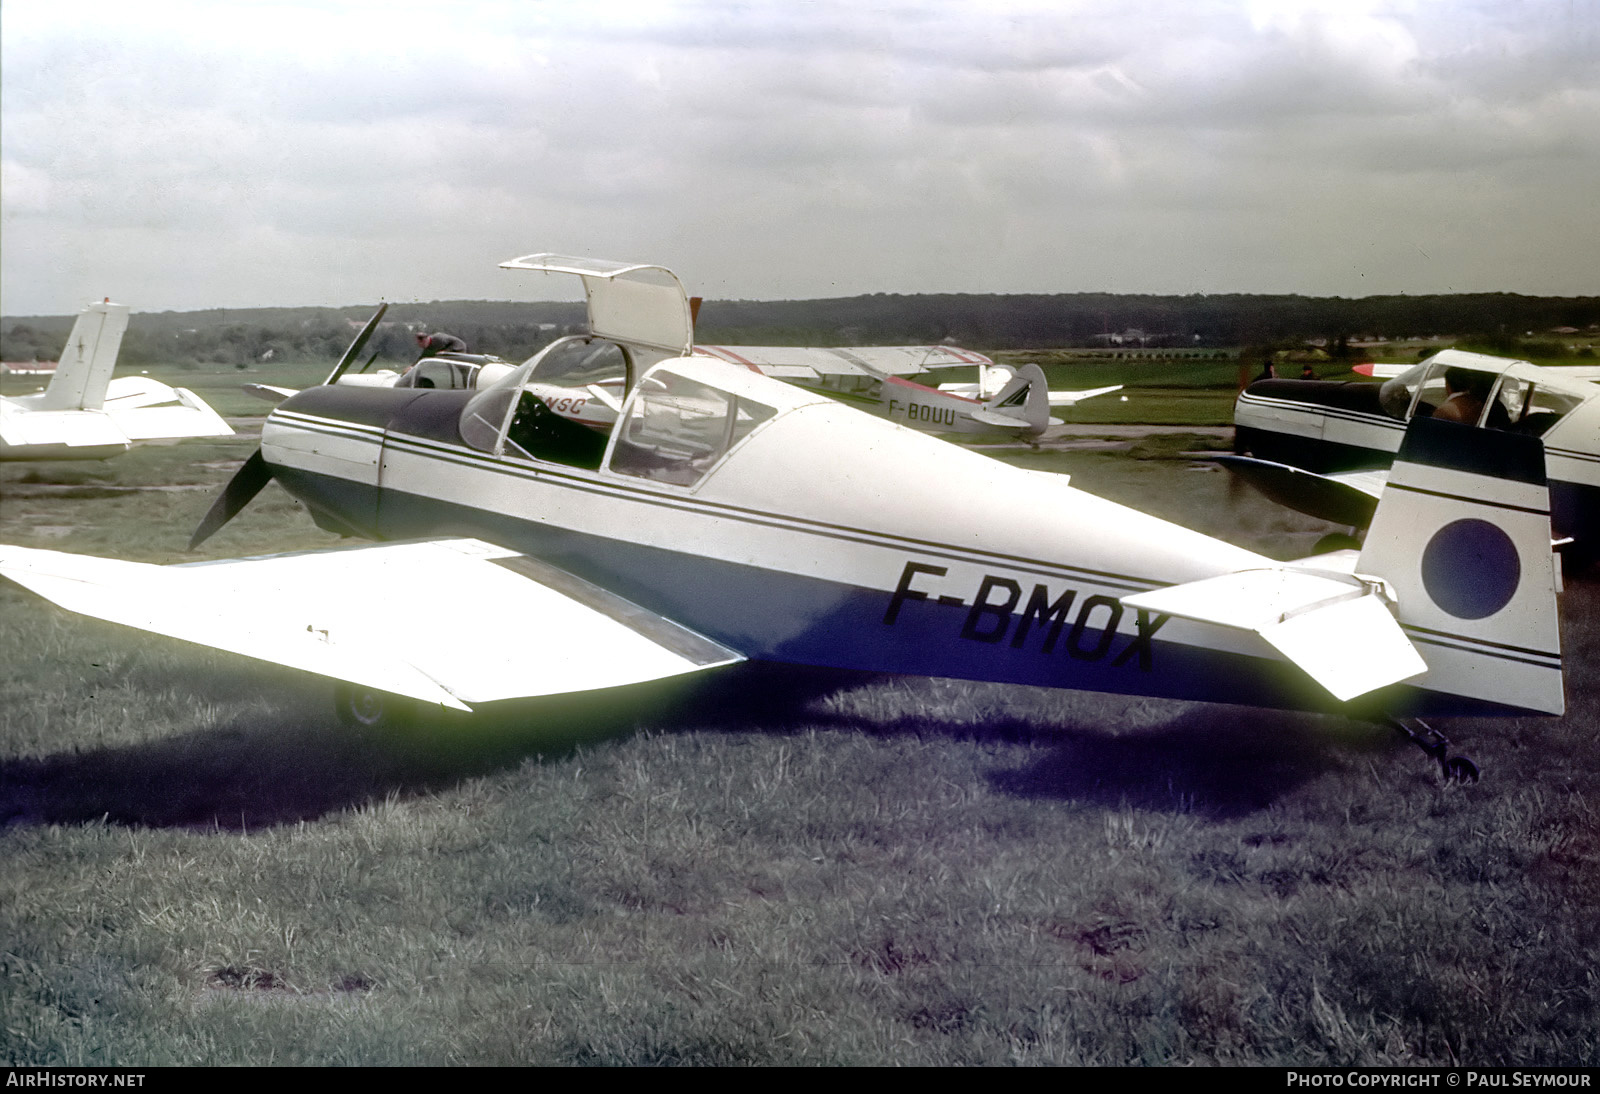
245, 485
357, 346
249, 480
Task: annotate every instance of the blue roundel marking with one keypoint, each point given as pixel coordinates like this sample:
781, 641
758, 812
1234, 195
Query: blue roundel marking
1470, 569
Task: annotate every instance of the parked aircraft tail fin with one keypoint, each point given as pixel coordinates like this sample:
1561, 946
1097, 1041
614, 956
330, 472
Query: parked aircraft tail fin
86, 363
1462, 535
1025, 396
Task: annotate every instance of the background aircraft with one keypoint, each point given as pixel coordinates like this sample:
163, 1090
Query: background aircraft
727, 516
84, 414
1005, 401
1322, 446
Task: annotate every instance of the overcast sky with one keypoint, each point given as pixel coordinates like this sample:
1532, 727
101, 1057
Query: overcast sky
175, 155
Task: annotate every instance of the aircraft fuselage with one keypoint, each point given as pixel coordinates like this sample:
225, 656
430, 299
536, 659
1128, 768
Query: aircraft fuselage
1326, 426
822, 538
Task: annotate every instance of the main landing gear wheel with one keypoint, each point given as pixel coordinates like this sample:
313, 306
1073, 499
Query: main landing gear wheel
368, 708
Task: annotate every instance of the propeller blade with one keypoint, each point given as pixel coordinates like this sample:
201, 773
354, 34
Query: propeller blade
371, 359
245, 484
358, 345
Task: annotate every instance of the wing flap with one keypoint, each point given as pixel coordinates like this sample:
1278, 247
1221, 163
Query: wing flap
1314, 619
994, 419
452, 622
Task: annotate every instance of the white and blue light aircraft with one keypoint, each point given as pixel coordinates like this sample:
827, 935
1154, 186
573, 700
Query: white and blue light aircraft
1324, 446
722, 516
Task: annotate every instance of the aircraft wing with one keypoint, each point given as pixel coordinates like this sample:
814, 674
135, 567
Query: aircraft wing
811, 363
1071, 398
271, 393
1347, 497
451, 622
1314, 619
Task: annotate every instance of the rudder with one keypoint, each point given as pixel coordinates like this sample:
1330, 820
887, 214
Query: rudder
1027, 396
1462, 534
87, 361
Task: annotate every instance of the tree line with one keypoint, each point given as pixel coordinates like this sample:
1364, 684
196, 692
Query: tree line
1503, 322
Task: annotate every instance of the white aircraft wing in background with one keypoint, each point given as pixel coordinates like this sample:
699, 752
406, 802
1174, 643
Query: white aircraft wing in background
813, 363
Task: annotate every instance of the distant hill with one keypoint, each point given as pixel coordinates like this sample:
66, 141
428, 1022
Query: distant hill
985, 322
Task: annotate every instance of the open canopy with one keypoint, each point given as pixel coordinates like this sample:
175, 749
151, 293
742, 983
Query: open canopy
637, 305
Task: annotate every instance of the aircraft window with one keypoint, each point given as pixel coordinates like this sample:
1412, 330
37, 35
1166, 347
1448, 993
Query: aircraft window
1397, 393
676, 429
1544, 409
1431, 396
1509, 404
849, 385
439, 373
579, 362
1451, 393
557, 406
545, 427
485, 415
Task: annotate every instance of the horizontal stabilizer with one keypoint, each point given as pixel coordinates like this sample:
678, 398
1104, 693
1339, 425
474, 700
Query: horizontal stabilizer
60, 429
1072, 398
191, 416
996, 420
132, 392
452, 622
1314, 619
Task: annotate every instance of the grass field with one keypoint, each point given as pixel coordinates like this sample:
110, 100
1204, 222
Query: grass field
200, 865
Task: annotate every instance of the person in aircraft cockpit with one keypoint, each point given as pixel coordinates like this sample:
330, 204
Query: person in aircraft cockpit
438, 342
1465, 393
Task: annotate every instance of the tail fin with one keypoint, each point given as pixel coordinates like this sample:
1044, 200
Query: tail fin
1462, 534
88, 359
1026, 396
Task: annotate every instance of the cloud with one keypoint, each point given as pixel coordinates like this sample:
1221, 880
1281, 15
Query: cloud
764, 150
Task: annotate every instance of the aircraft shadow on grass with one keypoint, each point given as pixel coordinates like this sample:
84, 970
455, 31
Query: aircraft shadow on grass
250, 773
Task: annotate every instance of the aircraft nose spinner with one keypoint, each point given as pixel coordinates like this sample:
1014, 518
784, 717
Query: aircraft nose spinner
636, 496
